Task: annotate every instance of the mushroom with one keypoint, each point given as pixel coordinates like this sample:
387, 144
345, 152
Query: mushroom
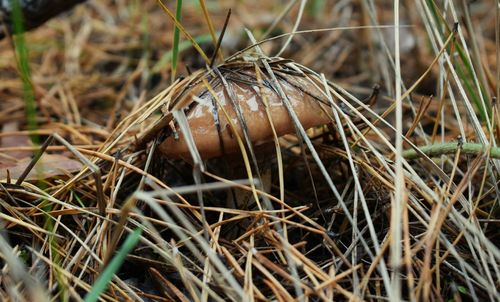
240, 91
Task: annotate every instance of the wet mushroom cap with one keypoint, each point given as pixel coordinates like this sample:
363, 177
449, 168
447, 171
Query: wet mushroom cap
307, 101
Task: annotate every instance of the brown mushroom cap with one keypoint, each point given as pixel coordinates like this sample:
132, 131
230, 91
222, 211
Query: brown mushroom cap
306, 100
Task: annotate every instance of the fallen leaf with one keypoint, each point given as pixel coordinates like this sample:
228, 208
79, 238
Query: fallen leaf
14, 140
49, 165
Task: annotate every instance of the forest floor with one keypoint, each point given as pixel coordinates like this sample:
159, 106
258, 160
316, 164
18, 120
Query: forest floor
395, 198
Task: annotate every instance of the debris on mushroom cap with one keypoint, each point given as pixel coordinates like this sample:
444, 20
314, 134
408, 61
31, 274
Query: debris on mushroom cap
214, 138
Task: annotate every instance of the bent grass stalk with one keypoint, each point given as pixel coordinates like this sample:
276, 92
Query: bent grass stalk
435, 150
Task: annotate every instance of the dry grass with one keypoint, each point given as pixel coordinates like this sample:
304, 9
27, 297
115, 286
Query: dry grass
338, 212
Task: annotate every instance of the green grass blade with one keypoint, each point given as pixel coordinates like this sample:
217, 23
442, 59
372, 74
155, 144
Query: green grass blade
316, 8
183, 30
114, 265
21, 50
167, 57
175, 50
467, 77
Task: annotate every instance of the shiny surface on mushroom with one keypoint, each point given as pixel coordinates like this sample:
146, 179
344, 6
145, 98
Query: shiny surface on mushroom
307, 101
